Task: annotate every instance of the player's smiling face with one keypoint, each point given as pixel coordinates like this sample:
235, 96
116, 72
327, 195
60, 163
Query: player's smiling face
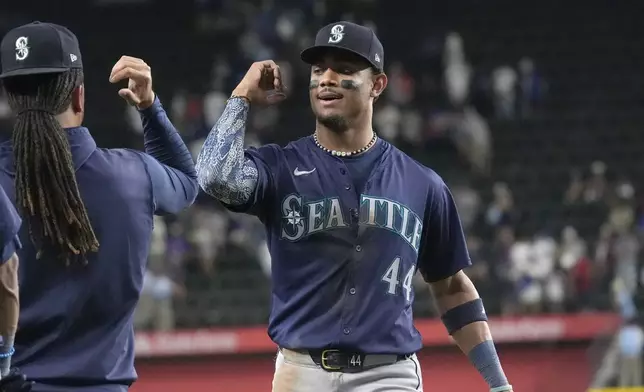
341, 88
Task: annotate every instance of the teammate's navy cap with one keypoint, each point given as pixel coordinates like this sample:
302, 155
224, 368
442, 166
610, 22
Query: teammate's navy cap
347, 36
39, 48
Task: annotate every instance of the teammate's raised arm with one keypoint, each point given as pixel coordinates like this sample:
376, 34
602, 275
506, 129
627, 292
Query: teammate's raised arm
9, 309
168, 160
9, 304
223, 170
442, 259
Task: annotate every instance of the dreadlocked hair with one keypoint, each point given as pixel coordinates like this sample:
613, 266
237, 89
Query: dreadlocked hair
46, 188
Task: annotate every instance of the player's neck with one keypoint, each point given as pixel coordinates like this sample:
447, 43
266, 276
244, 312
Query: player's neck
352, 139
68, 119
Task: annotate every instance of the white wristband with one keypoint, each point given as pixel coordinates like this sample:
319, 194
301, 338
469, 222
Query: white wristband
504, 388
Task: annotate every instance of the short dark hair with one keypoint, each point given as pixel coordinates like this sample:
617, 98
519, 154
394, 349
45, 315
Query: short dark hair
46, 189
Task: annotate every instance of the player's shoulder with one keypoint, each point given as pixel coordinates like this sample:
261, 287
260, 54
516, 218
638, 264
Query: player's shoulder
414, 168
294, 145
122, 162
120, 154
273, 151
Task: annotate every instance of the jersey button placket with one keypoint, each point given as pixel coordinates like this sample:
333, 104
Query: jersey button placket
354, 213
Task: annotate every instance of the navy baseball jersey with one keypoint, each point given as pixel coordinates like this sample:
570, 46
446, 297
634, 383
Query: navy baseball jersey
75, 327
9, 225
346, 236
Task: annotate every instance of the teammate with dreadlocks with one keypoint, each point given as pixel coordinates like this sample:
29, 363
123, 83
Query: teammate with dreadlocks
88, 211
46, 190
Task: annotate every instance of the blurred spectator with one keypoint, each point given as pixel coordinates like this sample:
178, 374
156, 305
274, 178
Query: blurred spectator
400, 90
501, 273
252, 47
623, 300
537, 281
575, 188
482, 272
529, 292
470, 134
574, 262
207, 235
501, 209
387, 120
531, 85
504, 83
631, 343
473, 139
411, 124
155, 309
177, 245
457, 70
572, 248
626, 251
178, 108
468, 203
596, 185
214, 103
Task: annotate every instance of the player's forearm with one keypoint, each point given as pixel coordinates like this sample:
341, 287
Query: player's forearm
9, 305
452, 293
9, 310
463, 314
222, 169
163, 142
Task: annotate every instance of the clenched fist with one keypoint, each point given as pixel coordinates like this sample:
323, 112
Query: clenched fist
139, 86
262, 84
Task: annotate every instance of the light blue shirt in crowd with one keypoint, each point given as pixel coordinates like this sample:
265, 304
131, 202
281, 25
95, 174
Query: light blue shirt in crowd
631, 341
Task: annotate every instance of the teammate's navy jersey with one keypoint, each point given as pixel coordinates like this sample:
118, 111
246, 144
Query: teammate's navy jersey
75, 326
343, 258
9, 225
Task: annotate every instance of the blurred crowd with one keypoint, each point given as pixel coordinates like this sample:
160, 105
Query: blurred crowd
446, 105
212, 267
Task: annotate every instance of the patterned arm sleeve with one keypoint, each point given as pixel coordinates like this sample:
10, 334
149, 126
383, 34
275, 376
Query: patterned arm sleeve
223, 171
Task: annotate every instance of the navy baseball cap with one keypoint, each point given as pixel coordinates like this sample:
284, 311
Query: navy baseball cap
39, 48
347, 36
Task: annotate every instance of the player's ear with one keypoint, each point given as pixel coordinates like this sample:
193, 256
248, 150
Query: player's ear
78, 99
379, 84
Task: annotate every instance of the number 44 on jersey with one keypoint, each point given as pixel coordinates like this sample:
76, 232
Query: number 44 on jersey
391, 277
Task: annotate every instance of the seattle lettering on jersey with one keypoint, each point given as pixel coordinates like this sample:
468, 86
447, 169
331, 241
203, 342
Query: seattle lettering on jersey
302, 218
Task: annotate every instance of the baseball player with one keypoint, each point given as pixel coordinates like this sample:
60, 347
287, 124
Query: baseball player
88, 211
349, 220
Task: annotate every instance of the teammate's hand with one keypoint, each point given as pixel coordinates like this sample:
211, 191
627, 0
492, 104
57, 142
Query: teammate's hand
15, 382
139, 86
262, 84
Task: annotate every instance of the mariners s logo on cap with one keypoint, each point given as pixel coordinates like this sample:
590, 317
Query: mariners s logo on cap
22, 48
337, 33
349, 37
39, 48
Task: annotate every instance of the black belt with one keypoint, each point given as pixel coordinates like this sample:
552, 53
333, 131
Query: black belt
352, 362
